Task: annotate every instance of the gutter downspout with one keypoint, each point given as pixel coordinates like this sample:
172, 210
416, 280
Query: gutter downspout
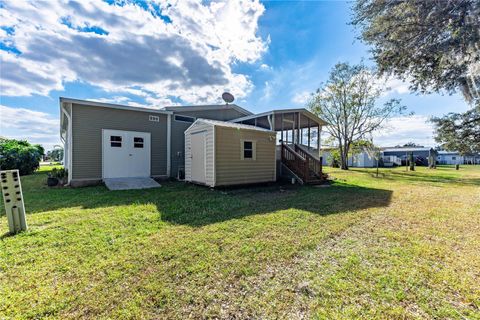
68, 143
169, 141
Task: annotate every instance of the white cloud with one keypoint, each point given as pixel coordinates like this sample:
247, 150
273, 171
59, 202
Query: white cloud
301, 97
267, 91
26, 124
135, 50
391, 85
403, 129
265, 67
398, 86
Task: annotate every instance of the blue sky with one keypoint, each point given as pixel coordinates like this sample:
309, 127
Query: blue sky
271, 55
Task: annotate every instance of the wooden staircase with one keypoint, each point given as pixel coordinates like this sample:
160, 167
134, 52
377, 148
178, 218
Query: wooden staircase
303, 164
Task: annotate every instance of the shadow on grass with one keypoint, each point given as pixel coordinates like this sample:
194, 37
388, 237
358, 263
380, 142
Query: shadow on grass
192, 205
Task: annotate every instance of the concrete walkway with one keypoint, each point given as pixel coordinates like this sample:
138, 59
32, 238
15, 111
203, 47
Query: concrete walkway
130, 183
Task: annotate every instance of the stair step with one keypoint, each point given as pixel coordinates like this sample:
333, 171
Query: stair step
315, 181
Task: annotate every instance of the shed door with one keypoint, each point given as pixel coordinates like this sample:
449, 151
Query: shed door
126, 154
198, 156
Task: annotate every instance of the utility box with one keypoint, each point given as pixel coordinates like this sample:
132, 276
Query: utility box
13, 200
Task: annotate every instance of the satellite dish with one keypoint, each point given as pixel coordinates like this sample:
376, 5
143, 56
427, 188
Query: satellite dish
227, 97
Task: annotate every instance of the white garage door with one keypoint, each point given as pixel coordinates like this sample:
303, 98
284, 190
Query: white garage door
198, 156
126, 154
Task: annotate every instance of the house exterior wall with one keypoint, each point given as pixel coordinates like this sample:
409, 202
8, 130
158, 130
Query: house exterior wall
230, 169
179, 127
87, 125
471, 159
402, 154
361, 160
209, 152
326, 161
450, 159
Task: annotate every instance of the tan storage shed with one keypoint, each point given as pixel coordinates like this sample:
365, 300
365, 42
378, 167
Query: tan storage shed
219, 153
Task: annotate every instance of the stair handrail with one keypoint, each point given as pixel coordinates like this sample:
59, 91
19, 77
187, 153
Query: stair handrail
315, 164
298, 163
293, 151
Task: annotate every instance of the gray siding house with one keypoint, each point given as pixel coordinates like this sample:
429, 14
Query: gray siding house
103, 140
84, 124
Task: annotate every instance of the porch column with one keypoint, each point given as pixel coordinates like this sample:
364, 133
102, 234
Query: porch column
281, 134
299, 130
308, 124
318, 140
293, 129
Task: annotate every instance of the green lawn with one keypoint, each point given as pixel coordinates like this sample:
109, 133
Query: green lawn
404, 245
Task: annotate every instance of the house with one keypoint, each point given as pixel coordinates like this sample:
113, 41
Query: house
391, 161
449, 157
219, 153
362, 160
358, 160
104, 141
420, 154
471, 158
454, 157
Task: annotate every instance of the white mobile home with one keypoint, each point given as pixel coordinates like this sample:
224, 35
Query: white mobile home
362, 160
449, 157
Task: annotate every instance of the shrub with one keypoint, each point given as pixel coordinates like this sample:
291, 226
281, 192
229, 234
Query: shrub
21, 155
61, 174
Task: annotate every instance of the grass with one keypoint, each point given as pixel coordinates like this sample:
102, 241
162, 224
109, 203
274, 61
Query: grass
404, 245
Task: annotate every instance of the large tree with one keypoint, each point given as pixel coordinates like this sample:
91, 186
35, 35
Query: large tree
434, 44
459, 131
348, 102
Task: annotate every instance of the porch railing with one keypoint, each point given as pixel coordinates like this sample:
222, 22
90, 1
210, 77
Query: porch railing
315, 165
307, 167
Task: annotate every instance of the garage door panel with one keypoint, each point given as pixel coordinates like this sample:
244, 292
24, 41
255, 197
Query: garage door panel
139, 154
126, 154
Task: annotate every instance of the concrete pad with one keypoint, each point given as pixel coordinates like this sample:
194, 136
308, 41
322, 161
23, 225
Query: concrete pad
130, 183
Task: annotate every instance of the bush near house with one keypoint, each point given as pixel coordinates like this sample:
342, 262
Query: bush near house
21, 155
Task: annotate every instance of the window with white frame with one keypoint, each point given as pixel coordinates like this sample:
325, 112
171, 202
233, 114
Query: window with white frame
248, 149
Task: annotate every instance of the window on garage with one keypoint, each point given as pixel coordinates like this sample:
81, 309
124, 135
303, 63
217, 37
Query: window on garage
116, 141
137, 142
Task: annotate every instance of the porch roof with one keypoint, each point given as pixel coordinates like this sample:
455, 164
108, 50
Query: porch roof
307, 119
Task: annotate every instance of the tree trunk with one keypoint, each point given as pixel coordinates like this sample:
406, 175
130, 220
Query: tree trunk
344, 158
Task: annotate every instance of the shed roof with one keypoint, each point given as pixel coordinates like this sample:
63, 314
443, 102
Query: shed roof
226, 124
